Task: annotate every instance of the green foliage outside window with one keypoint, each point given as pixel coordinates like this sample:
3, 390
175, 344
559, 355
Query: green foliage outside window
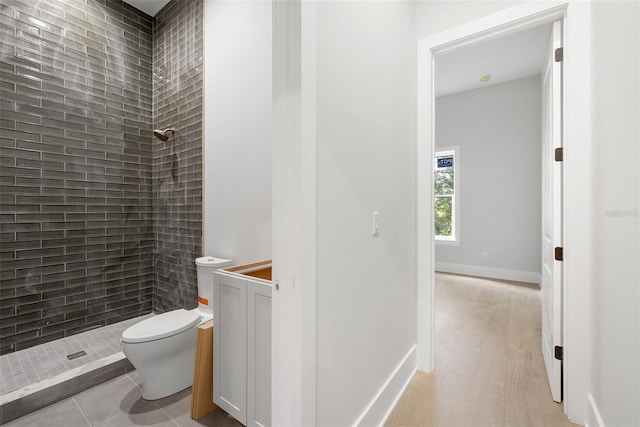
443, 203
443, 216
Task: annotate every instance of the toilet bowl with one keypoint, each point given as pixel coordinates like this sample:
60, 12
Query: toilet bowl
162, 347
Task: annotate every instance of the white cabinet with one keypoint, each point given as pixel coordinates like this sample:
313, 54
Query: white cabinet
230, 345
258, 354
242, 343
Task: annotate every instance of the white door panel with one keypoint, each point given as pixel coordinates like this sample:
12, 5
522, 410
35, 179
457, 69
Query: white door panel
551, 283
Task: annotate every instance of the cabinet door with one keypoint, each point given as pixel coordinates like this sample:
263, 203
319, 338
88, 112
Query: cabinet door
258, 354
230, 345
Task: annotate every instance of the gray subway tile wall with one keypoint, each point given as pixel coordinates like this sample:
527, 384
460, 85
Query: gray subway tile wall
86, 193
177, 163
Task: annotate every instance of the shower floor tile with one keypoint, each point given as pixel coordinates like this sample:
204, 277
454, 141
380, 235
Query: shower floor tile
45, 361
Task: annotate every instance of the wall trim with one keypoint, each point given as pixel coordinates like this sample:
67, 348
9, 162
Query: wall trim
594, 419
293, 203
489, 272
380, 407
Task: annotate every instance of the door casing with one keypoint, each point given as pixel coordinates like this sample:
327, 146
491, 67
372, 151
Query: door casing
576, 186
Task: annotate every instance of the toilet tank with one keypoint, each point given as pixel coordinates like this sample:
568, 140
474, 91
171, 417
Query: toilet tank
205, 266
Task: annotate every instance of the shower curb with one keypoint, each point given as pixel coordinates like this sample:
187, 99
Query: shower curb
39, 395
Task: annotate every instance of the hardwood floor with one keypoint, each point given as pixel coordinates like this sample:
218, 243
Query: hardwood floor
489, 366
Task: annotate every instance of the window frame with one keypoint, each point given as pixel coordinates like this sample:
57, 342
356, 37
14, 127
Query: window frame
454, 239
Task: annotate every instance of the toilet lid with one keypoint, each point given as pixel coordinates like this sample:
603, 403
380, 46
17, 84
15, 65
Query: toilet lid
161, 326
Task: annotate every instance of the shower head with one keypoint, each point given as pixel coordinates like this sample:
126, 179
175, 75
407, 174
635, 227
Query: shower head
162, 134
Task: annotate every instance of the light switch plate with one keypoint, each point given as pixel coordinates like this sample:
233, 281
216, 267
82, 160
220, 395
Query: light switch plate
376, 224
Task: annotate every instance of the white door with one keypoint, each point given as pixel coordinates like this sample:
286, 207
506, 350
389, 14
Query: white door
551, 285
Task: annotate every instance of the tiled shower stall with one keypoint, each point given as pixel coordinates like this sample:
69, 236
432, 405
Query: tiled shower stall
100, 222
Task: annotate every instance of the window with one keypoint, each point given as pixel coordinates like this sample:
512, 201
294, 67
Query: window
446, 205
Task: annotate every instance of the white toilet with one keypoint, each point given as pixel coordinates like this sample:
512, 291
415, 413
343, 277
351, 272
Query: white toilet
162, 347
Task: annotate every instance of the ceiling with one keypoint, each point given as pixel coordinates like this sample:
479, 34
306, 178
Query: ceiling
150, 7
505, 58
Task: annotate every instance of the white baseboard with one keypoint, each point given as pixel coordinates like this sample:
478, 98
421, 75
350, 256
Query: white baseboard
380, 407
594, 419
489, 272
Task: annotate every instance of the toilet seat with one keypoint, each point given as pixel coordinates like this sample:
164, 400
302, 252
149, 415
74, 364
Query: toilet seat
161, 326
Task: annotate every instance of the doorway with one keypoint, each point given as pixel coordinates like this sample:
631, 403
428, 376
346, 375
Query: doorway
577, 176
488, 200
489, 103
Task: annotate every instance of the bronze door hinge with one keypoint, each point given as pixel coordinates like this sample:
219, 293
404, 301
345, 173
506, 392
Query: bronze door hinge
559, 154
558, 254
558, 352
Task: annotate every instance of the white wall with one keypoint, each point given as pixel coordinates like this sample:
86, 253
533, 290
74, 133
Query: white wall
366, 286
237, 130
435, 16
498, 131
615, 316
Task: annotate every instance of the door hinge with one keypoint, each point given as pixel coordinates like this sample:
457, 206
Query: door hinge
558, 352
559, 154
558, 254
559, 54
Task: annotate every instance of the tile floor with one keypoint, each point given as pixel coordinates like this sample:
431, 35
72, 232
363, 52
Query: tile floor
48, 360
119, 403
